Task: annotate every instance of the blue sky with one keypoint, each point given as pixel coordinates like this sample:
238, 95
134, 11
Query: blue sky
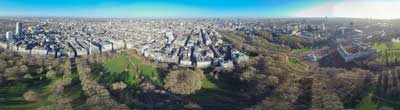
155, 8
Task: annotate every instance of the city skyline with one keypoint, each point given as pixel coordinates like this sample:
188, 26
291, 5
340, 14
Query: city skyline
154, 8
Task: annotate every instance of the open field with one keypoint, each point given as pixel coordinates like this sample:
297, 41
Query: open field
386, 52
11, 97
208, 84
146, 68
367, 103
215, 93
294, 60
300, 51
129, 68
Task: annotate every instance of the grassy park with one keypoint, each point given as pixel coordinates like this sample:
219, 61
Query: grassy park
300, 51
382, 47
128, 68
208, 84
367, 103
11, 97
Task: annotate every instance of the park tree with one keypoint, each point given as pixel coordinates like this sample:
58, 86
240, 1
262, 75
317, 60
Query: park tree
265, 34
324, 99
118, 86
30, 96
65, 68
39, 70
23, 69
282, 98
350, 85
51, 74
387, 84
3, 65
10, 72
27, 76
98, 96
262, 74
184, 81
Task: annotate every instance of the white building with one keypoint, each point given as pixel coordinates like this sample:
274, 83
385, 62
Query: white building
396, 40
9, 35
18, 29
350, 56
170, 37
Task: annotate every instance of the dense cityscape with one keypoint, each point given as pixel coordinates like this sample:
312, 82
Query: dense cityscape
199, 55
186, 42
220, 46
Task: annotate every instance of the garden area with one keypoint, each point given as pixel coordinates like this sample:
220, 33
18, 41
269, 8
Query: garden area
300, 51
127, 68
389, 51
12, 95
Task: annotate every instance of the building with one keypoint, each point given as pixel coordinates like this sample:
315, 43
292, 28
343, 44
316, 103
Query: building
9, 35
396, 40
349, 53
18, 29
311, 57
170, 37
323, 27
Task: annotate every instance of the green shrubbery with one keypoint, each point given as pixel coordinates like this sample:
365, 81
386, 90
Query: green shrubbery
184, 81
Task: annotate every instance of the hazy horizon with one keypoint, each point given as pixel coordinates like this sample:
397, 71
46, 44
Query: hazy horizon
201, 9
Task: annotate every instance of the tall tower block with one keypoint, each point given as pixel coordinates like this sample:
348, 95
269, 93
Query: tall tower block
18, 28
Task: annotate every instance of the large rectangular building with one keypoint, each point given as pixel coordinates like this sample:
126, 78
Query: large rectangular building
9, 35
18, 28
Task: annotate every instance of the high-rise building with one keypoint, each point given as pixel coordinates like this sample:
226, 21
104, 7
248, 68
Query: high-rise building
89, 50
18, 28
323, 27
9, 35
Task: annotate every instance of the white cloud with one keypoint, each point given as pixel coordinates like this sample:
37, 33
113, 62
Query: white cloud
389, 9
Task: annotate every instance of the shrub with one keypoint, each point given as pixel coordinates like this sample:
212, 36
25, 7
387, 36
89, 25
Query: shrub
184, 81
30, 96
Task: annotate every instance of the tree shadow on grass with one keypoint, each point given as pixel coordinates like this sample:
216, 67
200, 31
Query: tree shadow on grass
225, 96
104, 77
218, 99
11, 92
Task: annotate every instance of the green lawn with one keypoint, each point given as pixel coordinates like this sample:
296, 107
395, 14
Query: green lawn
12, 96
208, 84
148, 69
122, 62
117, 64
213, 96
381, 47
296, 64
294, 60
116, 68
300, 51
367, 103
11, 93
217, 92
